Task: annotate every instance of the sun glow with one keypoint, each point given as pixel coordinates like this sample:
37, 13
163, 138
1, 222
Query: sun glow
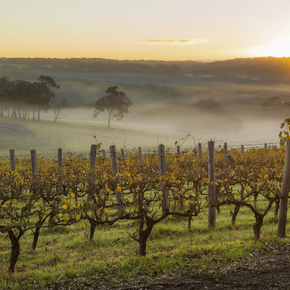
277, 49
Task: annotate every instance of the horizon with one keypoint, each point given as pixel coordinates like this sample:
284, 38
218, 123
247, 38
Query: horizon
145, 60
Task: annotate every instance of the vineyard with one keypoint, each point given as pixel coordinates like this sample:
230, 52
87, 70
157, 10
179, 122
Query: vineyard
136, 192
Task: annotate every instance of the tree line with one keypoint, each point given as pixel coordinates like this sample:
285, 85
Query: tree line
23, 100
259, 69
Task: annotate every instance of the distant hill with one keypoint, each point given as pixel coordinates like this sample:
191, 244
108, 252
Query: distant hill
261, 70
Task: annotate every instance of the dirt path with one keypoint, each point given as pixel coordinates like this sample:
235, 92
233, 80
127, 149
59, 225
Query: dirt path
266, 279
260, 270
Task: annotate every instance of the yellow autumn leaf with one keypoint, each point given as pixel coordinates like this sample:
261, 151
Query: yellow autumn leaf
64, 206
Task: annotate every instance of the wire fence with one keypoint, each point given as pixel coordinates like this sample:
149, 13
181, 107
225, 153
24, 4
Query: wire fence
84, 153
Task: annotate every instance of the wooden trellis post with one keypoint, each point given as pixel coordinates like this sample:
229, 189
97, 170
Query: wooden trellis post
225, 151
93, 154
211, 186
119, 194
199, 151
33, 163
284, 194
140, 155
122, 154
162, 170
12, 159
59, 160
178, 150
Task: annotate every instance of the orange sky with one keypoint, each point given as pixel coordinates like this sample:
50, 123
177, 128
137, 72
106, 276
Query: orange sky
136, 29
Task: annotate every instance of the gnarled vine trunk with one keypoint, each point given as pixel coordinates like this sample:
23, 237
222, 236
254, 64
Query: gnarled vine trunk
258, 225
15, 248
143, 236
234, 214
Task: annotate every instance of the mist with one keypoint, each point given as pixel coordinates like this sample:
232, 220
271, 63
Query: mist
149, 124
166, 108
239, 114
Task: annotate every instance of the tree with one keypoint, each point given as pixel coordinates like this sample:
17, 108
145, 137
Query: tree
274, 102
115, 103
44, 85
3, 97
58, 106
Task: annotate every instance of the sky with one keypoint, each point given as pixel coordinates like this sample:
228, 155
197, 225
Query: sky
145, 29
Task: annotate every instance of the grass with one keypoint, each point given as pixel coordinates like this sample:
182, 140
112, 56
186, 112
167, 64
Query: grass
78, 136
64, 253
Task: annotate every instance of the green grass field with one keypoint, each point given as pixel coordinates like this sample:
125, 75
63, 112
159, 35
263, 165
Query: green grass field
77, 136
66, 253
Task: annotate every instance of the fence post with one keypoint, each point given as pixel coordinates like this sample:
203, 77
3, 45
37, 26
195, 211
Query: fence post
211, 186
281, 143
162, 170
104, 153
284, 194
122, 154
12, 159
118, 194
92, 155
225, 151
242, 148
59, 160
33, 163
140, 155
199, 152
178, 150
265, 147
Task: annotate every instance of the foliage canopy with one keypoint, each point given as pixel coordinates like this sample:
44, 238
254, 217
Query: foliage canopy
116, 103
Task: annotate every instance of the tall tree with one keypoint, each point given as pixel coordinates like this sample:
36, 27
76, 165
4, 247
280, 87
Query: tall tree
58, 106
115, 103
3, 97
44, 87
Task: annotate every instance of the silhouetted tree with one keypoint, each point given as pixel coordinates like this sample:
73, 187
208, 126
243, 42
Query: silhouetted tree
115, 103
57, 107
45, 94
3, 96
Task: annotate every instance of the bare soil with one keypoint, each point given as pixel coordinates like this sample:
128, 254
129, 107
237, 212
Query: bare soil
264, 269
